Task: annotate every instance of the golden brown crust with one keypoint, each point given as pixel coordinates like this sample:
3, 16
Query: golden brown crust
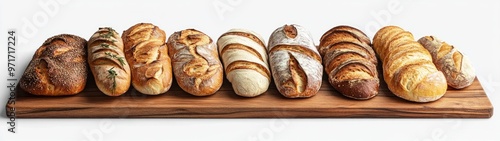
58, 68
455, 66
350, 62
408, 68
107, 62
147, 55
196, 63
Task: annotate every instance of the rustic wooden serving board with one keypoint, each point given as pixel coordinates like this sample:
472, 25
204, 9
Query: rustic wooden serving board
471, 102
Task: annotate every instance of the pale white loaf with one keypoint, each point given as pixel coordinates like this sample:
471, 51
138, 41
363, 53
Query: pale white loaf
244, 57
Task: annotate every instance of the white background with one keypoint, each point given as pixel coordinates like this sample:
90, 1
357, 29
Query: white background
472, 26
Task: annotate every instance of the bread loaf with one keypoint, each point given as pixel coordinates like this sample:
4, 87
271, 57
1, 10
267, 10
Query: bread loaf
408, 68
195, 61
350, 62
455, 66
107, 62
244, 57
295, 62
59, 67
147, 56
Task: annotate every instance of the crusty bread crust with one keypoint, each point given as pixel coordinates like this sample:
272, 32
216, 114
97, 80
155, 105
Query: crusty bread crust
196, 64
147, 55
454, 65
295, 62
59, 67
350, 62
107, 62
408, 68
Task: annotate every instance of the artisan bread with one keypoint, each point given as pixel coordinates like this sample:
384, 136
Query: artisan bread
455, 66
407, 65
295, 62
244, 57
107, 62
147, 56
350, 62
59, 67
196, 64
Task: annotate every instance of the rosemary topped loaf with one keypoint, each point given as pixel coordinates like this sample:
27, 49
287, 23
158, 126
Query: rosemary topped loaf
107, 62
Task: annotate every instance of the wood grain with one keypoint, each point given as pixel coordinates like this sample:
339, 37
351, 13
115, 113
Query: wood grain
470, 102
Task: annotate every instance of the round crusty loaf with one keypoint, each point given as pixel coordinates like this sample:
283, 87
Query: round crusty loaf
408, 68
107, 62
350, 62
295, 62
195, 60
245, 61
147, 55
455, 66
59, 67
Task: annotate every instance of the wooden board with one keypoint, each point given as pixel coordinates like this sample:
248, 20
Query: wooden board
471, 102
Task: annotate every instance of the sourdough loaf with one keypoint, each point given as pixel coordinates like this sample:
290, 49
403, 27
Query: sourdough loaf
295, 62
195, 60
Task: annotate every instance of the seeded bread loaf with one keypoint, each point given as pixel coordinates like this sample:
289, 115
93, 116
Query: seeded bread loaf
59, 67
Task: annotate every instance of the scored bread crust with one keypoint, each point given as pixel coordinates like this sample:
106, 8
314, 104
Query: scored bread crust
408, 68
107, 62
350, 62
58, 67
195, 60
147, 56
245, 61
455, 66
295, 62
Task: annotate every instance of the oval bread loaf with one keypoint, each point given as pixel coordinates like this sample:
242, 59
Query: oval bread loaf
147, 56
455, 66
350, 62
244, 57
107, 62
295, 62
59, 67
195, 61
408, 68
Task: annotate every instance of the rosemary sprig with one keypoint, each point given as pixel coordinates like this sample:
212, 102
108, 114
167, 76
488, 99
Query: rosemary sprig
120, 59
110, 29
105, 45
108, 34
112, 75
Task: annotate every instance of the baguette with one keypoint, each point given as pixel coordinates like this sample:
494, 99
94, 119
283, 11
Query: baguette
147, 56
59, 67
295, 62
408, 68
195, 61
455, 66
350, 62
107, 62
245, 61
